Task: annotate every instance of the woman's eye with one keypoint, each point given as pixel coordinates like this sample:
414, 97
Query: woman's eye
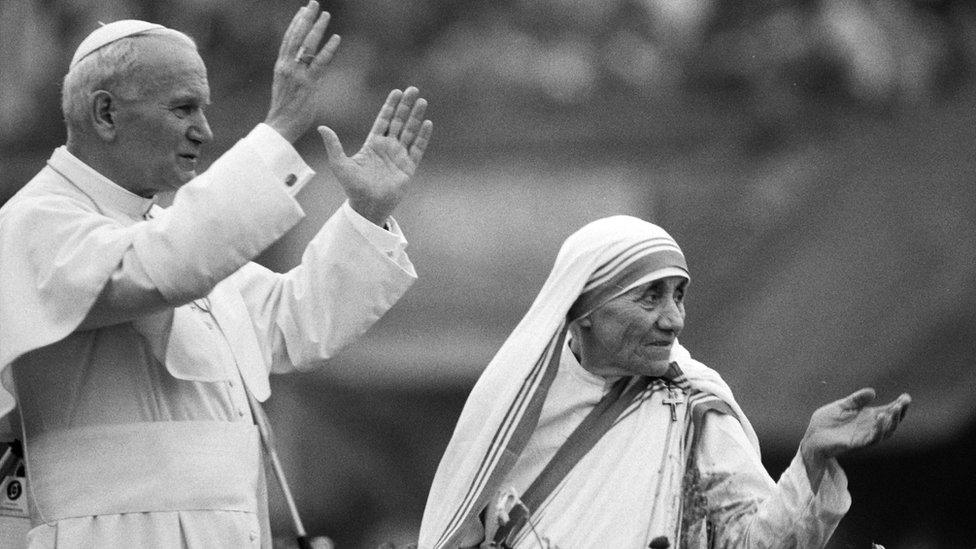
649, 300
182, 111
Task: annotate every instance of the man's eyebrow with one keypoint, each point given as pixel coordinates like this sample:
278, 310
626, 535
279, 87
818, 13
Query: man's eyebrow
189, 97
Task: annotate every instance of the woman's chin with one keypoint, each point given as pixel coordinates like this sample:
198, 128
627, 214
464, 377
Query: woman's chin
655, 368
647, 368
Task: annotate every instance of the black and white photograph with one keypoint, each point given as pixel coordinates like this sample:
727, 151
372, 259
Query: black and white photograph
431, 274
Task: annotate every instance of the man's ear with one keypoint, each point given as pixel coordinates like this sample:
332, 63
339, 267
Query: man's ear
103, 110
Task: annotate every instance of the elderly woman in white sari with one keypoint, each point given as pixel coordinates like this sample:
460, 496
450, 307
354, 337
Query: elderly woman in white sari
594, 427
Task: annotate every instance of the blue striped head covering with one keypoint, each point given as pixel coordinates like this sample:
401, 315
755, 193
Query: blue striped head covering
636, 252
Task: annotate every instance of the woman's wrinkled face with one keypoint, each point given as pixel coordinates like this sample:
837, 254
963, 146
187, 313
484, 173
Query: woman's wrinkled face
633, 333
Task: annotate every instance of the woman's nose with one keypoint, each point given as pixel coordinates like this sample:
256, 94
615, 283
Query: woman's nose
671, 318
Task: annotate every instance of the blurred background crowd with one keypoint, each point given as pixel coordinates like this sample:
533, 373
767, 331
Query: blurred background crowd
813, 158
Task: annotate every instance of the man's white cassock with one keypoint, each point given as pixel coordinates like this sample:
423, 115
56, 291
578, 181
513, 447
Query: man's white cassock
652, 474
137, 428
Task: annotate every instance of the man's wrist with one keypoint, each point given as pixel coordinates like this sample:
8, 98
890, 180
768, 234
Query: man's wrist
388, 240
377, 215
284, 130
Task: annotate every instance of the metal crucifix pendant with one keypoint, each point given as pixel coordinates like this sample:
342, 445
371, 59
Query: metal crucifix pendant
673, 400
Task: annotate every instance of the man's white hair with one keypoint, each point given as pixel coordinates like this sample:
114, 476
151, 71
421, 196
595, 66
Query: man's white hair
109, 68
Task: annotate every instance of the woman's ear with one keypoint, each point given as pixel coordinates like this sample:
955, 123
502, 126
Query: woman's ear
576, 328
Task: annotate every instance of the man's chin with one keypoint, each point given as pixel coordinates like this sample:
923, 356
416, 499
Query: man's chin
182, 178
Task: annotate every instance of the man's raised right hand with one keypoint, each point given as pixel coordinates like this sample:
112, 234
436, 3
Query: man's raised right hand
298, 90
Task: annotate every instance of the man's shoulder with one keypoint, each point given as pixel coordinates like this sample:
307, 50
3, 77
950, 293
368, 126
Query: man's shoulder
46, 191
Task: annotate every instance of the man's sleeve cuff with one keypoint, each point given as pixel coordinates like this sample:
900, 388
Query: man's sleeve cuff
280, 157
390, 240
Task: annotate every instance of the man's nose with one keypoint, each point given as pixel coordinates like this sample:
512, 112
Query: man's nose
199, 130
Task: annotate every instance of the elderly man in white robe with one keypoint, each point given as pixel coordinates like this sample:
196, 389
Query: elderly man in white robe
133, 337
593, 427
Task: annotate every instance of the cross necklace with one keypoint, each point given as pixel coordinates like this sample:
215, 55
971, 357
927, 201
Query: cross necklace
673, 400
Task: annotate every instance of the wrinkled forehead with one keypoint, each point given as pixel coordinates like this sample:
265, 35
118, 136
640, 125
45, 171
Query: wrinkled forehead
166, 53
163, 66
628, 252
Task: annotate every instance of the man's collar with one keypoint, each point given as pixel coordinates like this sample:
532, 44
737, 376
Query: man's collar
99, 188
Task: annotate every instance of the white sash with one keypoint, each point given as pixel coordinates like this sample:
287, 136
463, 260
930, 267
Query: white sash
144, 467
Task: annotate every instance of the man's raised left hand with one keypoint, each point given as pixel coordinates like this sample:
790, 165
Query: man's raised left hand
375, 178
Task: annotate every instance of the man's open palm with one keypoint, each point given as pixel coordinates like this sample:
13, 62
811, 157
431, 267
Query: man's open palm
374, 179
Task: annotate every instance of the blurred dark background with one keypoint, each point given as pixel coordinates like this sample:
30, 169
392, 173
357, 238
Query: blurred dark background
814, 159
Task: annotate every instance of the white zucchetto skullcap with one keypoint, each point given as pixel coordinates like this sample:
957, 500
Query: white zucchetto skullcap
106, 34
